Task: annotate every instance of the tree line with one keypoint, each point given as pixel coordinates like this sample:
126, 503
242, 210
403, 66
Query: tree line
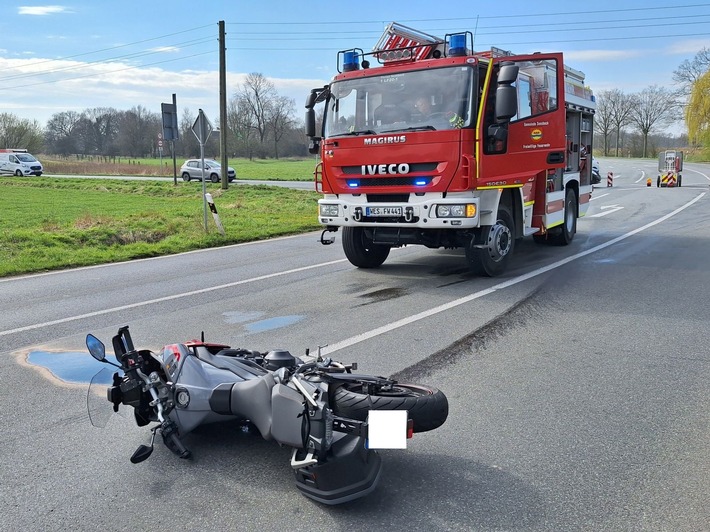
260, 124
636, 124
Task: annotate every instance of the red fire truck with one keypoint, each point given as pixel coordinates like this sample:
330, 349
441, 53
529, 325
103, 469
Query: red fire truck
441, 146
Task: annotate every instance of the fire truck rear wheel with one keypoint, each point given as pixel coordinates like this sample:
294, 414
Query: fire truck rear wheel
566, 233
489, 253
360, 250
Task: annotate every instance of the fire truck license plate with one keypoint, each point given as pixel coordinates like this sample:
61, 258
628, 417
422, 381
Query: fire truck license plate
383, 211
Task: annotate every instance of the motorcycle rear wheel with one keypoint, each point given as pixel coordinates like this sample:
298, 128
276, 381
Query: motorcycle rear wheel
427, 407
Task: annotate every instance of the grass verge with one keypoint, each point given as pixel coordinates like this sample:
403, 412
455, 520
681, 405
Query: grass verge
259, 169
50, 223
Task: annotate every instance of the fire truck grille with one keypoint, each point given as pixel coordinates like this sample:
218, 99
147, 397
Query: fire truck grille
388, 198
413, 168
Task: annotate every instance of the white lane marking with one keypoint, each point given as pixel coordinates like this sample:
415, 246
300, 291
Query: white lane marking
597, 197
643, 175
697, 172
167, 298
385, 328
501, 286
608, 210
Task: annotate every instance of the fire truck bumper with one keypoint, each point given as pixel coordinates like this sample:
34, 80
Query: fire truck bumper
420, 212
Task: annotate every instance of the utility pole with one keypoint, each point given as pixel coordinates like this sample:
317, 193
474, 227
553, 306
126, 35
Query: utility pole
223, 106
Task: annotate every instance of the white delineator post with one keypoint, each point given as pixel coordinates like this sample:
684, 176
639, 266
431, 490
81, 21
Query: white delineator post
213, 208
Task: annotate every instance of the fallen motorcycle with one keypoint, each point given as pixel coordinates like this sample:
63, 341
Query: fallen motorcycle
332, 418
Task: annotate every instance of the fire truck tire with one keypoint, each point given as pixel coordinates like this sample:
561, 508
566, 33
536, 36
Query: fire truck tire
680, 178
360, 250
566, 233
427, 407
489, 253
658, 182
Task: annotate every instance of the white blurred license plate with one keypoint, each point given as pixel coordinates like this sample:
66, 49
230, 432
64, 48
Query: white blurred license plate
383, 211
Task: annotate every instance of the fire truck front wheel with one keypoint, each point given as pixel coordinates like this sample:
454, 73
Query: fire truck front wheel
489, 252
564, 235
360, 250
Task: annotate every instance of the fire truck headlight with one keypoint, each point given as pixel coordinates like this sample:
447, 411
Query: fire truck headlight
467, 210
329, 210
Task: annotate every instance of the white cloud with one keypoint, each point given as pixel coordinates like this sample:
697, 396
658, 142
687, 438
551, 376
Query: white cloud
165, 49
40, 10
692, 46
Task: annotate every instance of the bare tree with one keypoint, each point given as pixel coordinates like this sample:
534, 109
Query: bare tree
688, 72
280, 119
256, 96
188, 145
621, 106
18, 132
98, 129
137, 131
653, 107
242, 123
60, 133
603, 123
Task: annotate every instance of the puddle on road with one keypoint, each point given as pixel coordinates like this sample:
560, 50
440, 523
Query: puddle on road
71, 367
272, 323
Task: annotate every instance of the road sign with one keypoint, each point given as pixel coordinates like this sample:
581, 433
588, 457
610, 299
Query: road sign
170, 125
202, 128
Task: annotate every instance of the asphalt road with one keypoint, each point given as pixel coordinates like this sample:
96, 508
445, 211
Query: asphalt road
578, 382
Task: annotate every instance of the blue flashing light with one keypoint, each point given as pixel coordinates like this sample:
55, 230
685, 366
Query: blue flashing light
457, 45
353, 184
421, 181
350, 61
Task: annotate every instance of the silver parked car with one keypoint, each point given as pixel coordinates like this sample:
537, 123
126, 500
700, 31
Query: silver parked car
213, 171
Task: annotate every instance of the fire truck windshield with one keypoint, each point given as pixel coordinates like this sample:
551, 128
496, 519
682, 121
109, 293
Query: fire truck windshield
432, 99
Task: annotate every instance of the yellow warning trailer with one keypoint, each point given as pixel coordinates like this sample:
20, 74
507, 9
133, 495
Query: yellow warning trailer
670, 164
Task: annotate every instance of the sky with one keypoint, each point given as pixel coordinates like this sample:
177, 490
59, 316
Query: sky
82, 54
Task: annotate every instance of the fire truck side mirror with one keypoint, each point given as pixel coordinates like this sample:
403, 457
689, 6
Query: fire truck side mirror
506, 95
310, 122
508, 73
506, 103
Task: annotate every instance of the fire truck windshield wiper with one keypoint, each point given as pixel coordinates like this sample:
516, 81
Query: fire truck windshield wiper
414, 128
355, 133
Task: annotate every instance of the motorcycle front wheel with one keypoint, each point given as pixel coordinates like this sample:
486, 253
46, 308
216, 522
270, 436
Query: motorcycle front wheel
427, 407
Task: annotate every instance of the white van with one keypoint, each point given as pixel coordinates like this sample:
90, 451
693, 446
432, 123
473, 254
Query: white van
20, 164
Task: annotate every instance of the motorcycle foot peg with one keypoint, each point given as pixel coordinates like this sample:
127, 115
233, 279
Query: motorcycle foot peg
309, 460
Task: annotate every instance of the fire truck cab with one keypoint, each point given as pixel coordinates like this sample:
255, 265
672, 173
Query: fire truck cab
444, 147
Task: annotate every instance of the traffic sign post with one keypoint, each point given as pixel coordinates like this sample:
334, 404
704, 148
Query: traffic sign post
202, 128
170, 130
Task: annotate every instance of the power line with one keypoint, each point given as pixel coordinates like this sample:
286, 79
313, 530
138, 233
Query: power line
477, 18
112, 47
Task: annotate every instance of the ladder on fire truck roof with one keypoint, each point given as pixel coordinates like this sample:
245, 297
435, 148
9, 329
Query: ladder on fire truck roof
397, 36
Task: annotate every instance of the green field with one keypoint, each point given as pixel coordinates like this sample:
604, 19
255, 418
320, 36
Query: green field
50, 223
260, 169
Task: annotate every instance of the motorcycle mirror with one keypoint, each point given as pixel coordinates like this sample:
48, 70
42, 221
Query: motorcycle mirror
96, 347
142, 453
